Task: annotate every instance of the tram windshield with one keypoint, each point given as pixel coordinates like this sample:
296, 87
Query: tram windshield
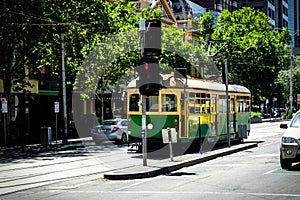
152, 103
134, 102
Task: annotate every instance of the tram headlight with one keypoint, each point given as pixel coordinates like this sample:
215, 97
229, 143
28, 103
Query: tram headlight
150, 126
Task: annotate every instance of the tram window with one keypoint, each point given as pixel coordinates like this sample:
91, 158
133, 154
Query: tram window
192, 109
169, 103
152, 103
207, 105
245, 107
134, 102
243, 104
213, 104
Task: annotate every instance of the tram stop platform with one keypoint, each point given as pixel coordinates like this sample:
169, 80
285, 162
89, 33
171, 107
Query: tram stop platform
138, 169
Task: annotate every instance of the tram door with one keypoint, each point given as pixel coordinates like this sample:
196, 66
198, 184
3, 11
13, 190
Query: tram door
183, 116
214, 116
232, 114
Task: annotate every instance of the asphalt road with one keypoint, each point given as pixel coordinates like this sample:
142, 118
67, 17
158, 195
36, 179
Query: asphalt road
250, 174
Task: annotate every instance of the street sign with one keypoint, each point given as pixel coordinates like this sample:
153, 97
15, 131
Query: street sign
172, 137
4, 105
298, 99
56, 107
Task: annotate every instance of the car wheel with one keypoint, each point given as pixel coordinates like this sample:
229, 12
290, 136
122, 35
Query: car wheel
123, 138
285, 164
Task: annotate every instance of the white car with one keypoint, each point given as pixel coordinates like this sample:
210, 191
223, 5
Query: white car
112, 129
290, 143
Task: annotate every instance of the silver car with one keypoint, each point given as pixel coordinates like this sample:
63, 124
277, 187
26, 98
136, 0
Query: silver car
290, 143
112, 129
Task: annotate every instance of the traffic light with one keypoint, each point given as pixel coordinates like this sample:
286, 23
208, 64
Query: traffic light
150, 81
152, 38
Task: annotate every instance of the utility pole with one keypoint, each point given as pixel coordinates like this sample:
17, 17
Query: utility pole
291, 81
63, 77
144, 130
227, 103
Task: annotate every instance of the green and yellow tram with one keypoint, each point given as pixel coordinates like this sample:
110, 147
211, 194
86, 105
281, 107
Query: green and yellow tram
196, 108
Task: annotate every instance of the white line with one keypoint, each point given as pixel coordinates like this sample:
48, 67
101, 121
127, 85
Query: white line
134, 184
226, 165
269, 172
191, 192
265, 155
268, 144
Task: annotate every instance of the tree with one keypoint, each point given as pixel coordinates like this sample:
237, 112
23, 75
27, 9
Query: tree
31, 35
283, 81
254, 51
179, 54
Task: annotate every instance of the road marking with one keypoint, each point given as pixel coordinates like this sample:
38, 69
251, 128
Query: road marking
265, 155
271, 171
137, 183
226, 165
268, 144
283, 171
191, 192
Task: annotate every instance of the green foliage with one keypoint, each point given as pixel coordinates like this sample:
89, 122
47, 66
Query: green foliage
255, 53
31, 35
283, 79
256, 114
179, 54
205, 24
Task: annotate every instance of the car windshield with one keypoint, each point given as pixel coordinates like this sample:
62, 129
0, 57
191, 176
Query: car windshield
109, 122
296, 121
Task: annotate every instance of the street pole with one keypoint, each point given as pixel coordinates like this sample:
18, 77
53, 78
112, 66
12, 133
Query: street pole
63, 75
227, 103
291, 81
144, 131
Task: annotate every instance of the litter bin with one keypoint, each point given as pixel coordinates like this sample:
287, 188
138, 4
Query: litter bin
46, 135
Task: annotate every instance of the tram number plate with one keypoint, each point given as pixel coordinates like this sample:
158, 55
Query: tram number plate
166, 135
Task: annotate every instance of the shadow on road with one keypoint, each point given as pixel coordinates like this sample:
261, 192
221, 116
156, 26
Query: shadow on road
38, 151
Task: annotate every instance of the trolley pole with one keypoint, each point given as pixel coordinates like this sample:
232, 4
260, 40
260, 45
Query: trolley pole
227, 103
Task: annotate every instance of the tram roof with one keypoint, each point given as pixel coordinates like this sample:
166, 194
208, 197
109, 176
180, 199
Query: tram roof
216, 86
206, 85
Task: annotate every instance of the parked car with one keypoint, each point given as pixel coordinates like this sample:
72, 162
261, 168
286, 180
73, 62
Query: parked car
112, 129
290, 143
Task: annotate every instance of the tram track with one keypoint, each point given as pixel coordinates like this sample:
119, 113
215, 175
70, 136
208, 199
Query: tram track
34, 173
